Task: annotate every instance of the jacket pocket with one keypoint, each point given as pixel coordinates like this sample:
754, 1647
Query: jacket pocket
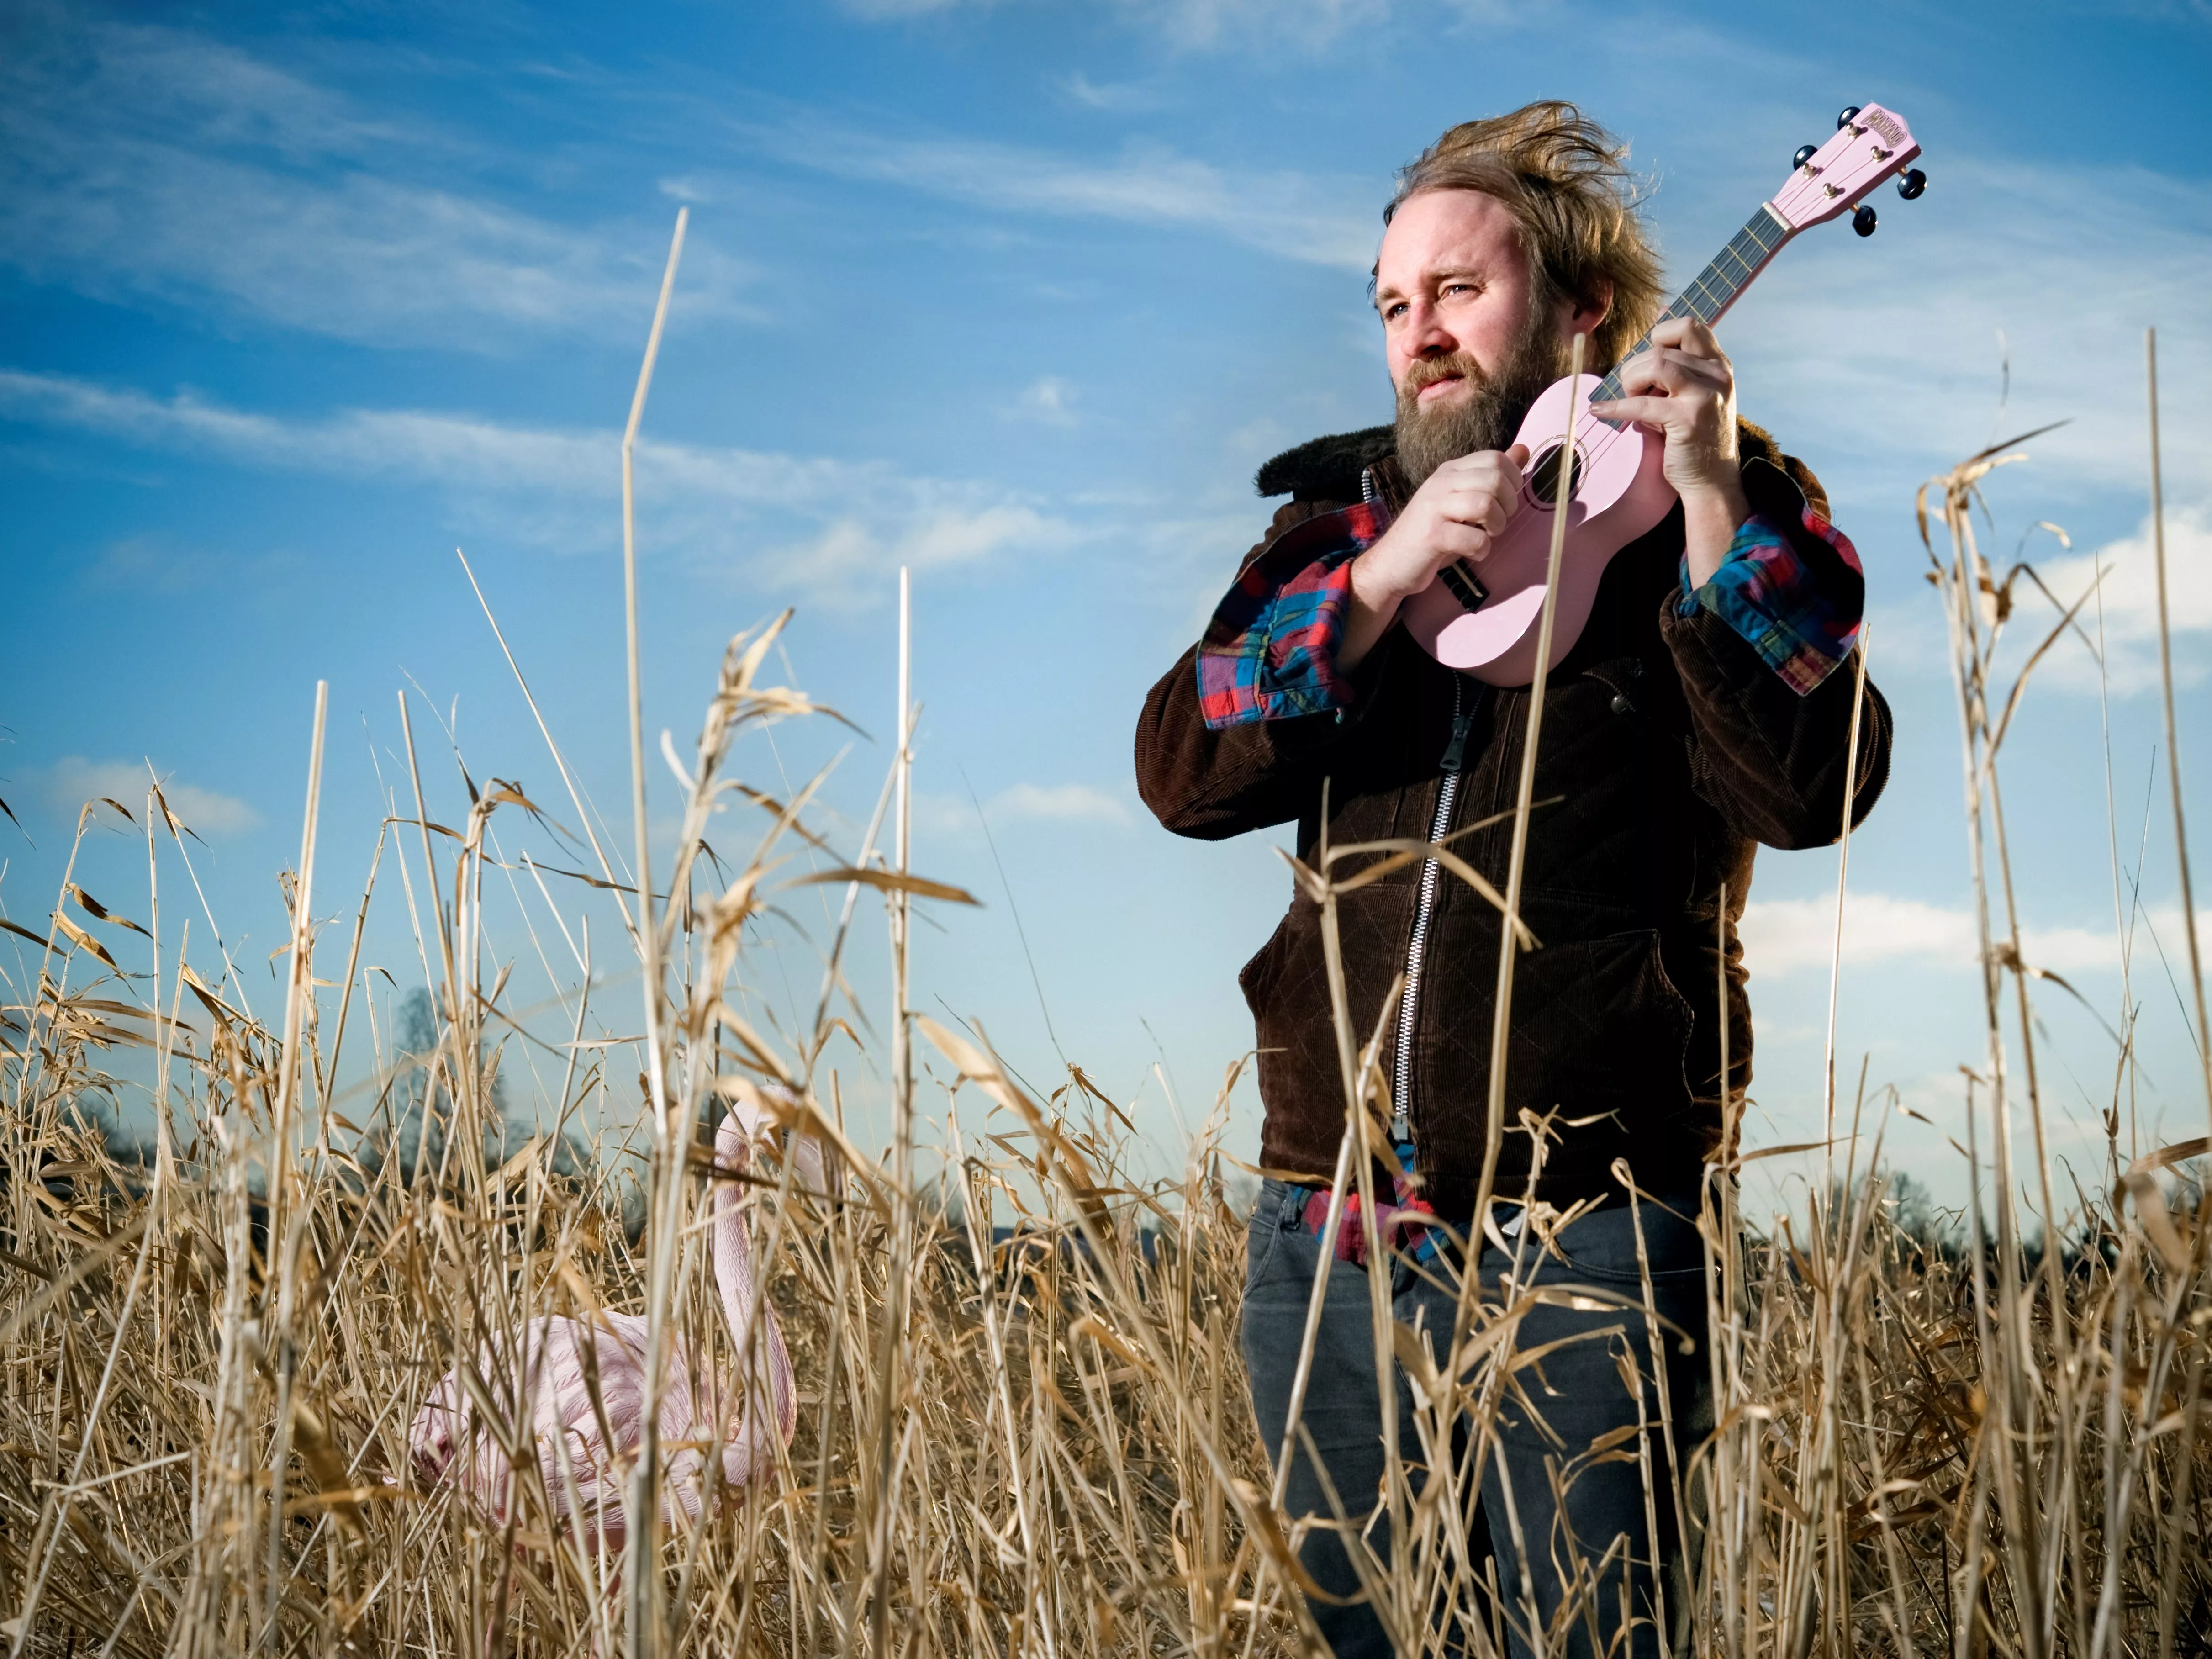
1598, 1028
1287, 986
1255, 976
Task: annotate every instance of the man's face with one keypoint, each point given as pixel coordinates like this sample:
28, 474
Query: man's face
1466, 352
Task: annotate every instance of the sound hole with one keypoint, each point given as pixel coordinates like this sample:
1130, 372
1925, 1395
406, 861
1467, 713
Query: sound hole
1544, 475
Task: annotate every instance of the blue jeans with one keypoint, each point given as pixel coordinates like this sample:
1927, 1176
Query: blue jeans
1579, 1390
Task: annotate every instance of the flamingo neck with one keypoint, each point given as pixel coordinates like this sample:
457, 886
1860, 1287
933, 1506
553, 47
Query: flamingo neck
733, 1274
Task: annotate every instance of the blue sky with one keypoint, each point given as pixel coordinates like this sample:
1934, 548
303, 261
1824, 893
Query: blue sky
294, 301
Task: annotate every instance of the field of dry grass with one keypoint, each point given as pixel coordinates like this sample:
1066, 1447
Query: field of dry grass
1028, 1438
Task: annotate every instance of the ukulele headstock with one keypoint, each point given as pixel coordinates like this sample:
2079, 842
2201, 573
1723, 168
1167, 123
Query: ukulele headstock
1871, 144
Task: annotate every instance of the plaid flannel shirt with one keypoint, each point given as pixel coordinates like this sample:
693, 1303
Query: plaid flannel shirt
1777, 603
1270, 651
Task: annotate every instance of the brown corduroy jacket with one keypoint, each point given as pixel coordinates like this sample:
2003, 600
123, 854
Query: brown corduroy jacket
1668, 750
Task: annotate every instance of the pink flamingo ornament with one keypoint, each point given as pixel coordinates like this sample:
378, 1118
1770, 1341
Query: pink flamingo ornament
584, 1454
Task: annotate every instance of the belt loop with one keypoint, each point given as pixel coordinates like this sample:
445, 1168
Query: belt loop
1293, 1211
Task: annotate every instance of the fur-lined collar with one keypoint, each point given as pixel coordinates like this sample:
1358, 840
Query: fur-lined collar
1326, 469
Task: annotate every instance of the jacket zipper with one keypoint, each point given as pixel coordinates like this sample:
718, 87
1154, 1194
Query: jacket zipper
1455, 758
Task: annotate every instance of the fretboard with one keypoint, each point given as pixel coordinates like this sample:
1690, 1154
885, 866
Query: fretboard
1717, 286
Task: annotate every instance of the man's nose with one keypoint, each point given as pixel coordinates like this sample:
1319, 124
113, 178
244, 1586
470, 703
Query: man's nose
1426, 335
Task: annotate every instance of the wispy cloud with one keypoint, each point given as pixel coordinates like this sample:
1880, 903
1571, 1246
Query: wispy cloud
928, 539
142, 162
1203, 24
806, 524
1321, 221
1198, 24
444, 448
73, 780
1060, 803
1114, 97
1024, 803
158, 566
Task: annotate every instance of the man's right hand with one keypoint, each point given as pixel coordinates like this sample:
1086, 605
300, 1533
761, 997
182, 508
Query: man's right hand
1457, 514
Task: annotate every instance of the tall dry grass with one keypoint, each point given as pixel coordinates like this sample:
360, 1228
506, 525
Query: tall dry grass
1028, 1440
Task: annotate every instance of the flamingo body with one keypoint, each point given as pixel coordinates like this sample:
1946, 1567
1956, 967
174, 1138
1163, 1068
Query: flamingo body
585, 1456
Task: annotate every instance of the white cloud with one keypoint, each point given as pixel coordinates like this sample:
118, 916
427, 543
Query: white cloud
1047, 399
829, 528
1062, 803
1333, 222
73, 780
2128, 599
144, 162
1784, 936
1781, 936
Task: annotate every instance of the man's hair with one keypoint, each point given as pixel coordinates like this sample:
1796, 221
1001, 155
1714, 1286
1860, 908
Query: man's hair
1565, 181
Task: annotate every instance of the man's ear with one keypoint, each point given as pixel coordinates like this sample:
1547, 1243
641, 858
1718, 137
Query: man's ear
1585, 315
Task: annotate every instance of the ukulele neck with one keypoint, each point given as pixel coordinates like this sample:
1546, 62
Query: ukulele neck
1717, 285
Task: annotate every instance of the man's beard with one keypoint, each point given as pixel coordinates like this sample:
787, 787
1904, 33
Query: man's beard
1490, 413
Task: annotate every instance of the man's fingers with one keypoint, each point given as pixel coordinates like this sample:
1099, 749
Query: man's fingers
1674, 372
1454, 540
1476, 504
1714, 367
1709, 371
1688, 332
1646, 411
1640, 373
1486, 466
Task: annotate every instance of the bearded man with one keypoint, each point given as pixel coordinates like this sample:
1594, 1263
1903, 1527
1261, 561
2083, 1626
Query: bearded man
1706, 707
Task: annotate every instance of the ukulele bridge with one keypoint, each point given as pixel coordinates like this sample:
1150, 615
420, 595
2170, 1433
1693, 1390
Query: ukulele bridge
1460, 582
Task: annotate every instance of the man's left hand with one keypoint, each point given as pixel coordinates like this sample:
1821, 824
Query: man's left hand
1684, 387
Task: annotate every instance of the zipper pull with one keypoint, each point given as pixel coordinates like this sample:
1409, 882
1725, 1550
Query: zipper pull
1463, 722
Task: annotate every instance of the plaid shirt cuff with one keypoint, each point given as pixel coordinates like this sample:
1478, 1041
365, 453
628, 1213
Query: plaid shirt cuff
1773, 599
1270, 652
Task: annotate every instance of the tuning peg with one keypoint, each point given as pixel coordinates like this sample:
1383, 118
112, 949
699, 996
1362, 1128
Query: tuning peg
1805, 153
1863, 220
1847, 118
1910, 185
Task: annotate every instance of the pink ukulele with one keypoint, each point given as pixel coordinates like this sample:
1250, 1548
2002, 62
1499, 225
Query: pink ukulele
1484, 620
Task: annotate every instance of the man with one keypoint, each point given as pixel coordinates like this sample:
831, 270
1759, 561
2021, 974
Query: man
1705, 708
